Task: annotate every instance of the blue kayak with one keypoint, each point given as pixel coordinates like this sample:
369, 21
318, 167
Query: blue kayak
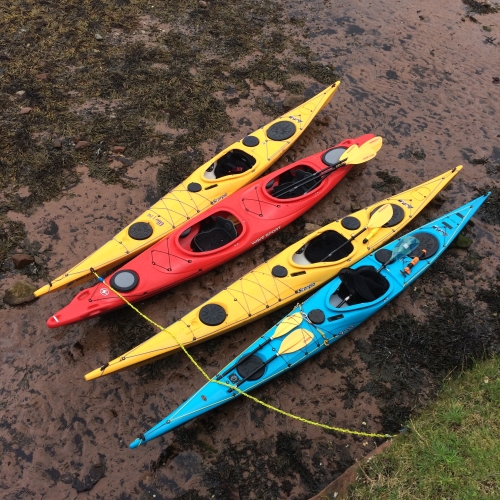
340, 306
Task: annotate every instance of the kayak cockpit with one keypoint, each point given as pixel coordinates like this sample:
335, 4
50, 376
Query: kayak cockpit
232, 163
329, 246
359, 286
293, 183
211, 233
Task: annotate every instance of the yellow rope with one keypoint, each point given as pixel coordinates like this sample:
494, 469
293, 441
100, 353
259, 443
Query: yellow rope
243, 393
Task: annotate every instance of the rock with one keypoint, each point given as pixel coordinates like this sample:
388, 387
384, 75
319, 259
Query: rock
447, 292
82, 144
310, 228
41, 76
336, 200
292, 102
57, 144
119, 149
20, 293
355, 206
22, 260
51, 229
428, 290
203, 4
462, 241
98, 37
38, 260
125, 161
25, 111
91, 479
21, 93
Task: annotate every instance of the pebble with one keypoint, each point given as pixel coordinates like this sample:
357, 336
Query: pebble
42, 76
336, 200
447, 292
22, 260
310, 228
98, 37
20, 293
428, 290
21, 93
25, 111
82, 144
57, 144
203, 4
355, 207
119, 149
462, 241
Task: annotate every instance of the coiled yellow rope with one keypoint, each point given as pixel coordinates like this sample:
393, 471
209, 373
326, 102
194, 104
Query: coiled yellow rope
243, 393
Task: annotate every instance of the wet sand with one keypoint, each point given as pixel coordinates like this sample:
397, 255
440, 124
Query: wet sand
421, 75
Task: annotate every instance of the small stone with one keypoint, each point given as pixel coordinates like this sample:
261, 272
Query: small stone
38, 260
25, 111
125, 161
203, 4
119, 149
310, 228
20, 293
21, 93
355, 207
292, 102
51, 229
428, 290
447, 292
336, 200
462, 241
57, 144
42, 76
98, 37
82, 144
22, 260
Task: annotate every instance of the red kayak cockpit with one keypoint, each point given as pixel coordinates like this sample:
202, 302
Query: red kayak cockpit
211, 233
293, 183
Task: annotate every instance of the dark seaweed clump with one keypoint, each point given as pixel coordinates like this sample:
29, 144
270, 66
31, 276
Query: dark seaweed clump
408, 359
390, 183
481, 7
12, 235
490, 210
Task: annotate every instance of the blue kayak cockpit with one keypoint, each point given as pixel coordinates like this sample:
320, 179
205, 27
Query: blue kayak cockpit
359, 286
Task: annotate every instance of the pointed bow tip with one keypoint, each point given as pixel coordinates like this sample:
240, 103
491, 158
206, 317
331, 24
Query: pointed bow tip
93, 374
42, 291
136, 443
53, 322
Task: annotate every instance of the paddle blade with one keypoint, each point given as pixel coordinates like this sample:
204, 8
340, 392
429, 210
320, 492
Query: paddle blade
349, 151
287, 325
380, 217
359, 155
375, 143
297, 340
404, 247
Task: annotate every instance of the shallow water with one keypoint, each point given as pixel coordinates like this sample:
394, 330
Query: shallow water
420, 74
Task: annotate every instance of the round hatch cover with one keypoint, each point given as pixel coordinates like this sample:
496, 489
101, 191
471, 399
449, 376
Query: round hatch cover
316, 316
350, 223
397, 215
281, 131
250, 141
194, 187
212, 314
279, 271
140, 231
383, 255
428, 242
250, 365
332, 156
125, 280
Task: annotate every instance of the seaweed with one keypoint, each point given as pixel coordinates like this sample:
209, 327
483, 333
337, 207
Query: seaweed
390, 183
481, 7
490, 209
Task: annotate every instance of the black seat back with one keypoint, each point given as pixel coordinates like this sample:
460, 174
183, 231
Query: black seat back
364, 284
235, 162
222, 233
326, 242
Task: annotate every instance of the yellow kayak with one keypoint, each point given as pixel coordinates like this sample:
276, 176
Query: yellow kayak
303, 266
231, 169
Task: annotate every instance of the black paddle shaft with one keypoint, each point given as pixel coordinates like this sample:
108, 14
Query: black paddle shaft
320, 175
345, 243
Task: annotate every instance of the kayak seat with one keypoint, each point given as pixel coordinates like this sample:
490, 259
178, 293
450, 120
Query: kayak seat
233, 163
322, 245
286, 188
221, 233
363, 284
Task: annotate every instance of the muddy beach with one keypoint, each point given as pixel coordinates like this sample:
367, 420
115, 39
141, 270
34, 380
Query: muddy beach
173, 84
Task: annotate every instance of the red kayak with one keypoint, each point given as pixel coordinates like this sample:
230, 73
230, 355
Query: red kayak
219, 234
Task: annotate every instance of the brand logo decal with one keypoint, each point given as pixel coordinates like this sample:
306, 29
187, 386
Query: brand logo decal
258, 240
295, 119
440, 230
104, 292
405, 204
221, 197
304, 288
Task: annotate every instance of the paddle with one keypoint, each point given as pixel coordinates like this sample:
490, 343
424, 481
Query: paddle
377, 220
297, 340
285, 326
354, 155
402, 249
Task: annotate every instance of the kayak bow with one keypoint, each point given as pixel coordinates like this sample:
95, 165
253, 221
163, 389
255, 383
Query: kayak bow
284, 278
228, 171
336, 309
